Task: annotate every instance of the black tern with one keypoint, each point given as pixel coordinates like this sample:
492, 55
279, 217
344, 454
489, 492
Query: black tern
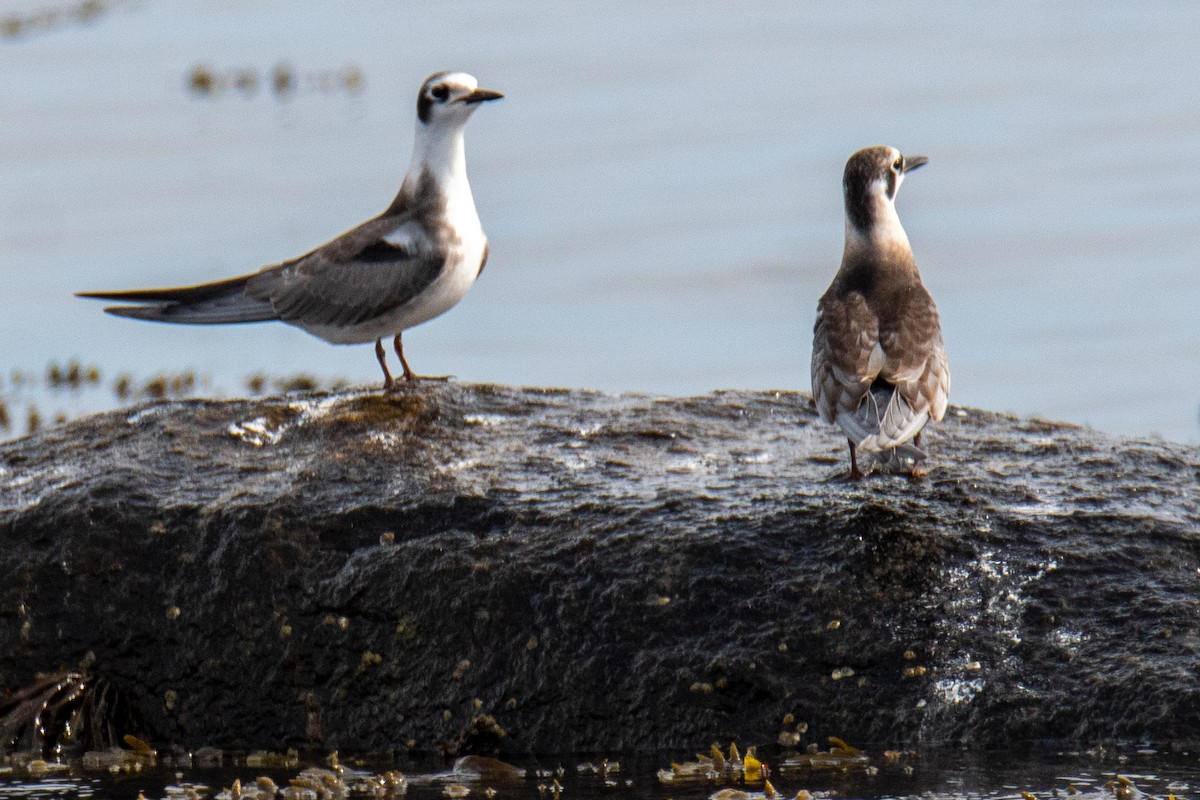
879, 365
406, 266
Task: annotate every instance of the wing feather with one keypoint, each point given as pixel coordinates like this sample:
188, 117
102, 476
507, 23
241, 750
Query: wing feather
347, 283
845, 360
881, 376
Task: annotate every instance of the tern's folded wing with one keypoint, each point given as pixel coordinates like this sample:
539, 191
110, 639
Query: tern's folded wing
344, 285
846, 355
916, 357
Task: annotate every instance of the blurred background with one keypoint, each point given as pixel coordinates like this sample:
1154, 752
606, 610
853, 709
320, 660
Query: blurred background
661, 188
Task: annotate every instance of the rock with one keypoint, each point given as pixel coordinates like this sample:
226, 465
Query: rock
491, 569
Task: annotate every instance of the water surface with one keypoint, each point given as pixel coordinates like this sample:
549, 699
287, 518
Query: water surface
943, 776
661, 186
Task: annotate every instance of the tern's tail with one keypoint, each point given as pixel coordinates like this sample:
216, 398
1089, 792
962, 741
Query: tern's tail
885, 424
207, 304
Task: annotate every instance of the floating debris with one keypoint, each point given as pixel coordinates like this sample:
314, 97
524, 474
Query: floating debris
38, 767
122, 387
245, 81
138, 746
298, 383
18, 396
768, 792
840, 757
717, 767
204, 80
264, 758
753, 770
283, 80
116, 759
208, 757
45, 20
73, 375
605, 768
353, 80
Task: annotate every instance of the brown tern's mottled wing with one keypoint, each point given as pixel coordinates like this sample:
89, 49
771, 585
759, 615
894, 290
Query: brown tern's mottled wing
915, 358
880, 376
846, 356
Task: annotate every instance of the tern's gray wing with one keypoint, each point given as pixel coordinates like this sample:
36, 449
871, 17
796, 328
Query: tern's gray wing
366, 272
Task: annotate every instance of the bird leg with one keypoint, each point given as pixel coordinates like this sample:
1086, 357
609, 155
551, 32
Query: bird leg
854, 473
409, 375
388, 383
917, 470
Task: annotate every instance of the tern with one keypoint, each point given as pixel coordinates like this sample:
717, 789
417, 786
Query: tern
406, 266
879, 367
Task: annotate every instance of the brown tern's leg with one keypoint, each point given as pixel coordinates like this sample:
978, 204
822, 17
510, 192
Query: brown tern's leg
917, 471
854, 473
409, 375
382, 356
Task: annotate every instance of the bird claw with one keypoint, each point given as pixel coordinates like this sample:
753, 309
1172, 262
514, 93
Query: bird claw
414, 377
394, 386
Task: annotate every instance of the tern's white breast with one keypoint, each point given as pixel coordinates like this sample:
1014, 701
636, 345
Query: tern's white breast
462, 268
463, 260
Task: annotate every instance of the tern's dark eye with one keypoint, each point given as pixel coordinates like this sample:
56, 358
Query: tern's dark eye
440, 92
899, 165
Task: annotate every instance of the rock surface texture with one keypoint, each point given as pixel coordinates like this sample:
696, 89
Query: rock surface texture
478, 567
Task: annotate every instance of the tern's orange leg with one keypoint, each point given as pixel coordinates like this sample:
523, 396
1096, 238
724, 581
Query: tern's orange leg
409, 375
380, 354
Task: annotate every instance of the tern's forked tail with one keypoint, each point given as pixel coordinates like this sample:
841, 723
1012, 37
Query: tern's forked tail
884, 422
222, 302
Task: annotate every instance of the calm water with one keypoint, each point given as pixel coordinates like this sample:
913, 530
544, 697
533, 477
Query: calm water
945, 777
661, 187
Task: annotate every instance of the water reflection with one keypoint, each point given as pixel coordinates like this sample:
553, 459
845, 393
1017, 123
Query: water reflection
1093, 775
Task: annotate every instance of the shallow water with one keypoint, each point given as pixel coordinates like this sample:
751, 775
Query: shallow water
661, 186
1002, 776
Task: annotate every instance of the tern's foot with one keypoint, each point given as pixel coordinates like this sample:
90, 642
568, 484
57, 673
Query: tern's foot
414, 377
394, 386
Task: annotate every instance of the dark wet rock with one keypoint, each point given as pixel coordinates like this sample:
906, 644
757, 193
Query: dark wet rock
495, 569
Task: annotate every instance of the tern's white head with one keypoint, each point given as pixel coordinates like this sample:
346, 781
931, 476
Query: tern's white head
448, 98
871, 181
444, 104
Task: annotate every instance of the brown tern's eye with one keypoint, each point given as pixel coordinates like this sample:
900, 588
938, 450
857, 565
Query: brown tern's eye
440, 92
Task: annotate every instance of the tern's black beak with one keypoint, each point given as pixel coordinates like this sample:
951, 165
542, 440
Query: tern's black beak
914, 162
480, 96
